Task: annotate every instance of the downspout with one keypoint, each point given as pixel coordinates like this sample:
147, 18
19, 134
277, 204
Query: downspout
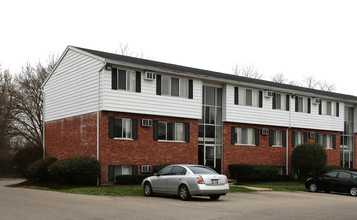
98, 112
43, 126
287, 138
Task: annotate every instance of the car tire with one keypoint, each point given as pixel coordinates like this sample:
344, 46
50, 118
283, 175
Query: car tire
184, 193
214, 197
353, 191
148, 189
313, 187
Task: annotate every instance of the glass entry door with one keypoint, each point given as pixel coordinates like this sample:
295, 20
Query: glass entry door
210, 155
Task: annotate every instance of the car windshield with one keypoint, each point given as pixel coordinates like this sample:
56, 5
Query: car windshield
202, 170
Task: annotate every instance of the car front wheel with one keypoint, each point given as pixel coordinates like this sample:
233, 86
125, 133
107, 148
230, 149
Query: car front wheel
148, 189
313, 187
353, 191
184, 193
214, 197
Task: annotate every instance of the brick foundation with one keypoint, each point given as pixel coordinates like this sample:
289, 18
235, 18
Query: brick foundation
76, 136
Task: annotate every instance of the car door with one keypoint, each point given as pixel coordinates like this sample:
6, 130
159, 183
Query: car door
175, 179
327, 181
343, 181
159, 181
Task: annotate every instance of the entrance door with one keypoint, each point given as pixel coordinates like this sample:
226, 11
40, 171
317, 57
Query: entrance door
210, 155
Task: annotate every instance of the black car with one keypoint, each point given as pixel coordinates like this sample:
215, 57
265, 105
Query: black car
336, 180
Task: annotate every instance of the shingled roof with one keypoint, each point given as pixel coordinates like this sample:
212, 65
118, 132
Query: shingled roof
224, 76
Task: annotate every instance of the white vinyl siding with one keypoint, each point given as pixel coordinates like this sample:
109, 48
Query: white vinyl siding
147, 102
73, 87
269, 116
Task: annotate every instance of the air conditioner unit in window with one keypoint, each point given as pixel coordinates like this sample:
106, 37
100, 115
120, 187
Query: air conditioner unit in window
146, 122
265, 131
316, 101
150, 75
312, 135
145, 168
268, 94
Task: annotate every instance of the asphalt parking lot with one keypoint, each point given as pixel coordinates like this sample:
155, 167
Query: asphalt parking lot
19, 203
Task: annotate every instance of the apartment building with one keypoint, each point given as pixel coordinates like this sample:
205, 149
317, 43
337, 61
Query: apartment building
133, 113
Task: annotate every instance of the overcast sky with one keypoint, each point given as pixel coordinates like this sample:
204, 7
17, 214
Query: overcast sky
296, 38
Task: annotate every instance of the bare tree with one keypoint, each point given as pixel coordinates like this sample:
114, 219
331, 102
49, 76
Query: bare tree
28, 96
294, 83
249, 71
310, 82
6, 107
326, 86
279, 78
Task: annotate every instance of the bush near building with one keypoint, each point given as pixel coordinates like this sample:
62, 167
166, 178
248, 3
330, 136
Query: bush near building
246, 172
308, 158
78, 170
38, 170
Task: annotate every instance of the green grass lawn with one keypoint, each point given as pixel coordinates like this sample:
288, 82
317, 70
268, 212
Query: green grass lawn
130, 190
281, 186
239, 189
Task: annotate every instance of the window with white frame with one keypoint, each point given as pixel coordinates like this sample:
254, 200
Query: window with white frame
122, 128
277, 138
302, 104
172, 86
126, 80
248, 97
171, 131
245, 136
279, 101
299, 138
123, 170
328, 108
325, 140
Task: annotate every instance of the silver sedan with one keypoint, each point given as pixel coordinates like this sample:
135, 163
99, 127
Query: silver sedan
186, 181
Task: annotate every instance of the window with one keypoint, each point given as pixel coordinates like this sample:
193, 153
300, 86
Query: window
277, 138
328, 108
122, 128
331, 174
178, 171
166, 170
344, 175
170, 131
201, 170
123, 170
298, 138
248, 97
302, 104
129, 80
172, 86
280, 101
325, 140
245, 136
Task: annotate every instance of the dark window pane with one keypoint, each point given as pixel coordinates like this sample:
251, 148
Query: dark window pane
244, 136
118, 128
210, 131
166, 170
219, 97
170, 131
165, 85
162, 131
178, 171
209, 96
249, 97
174, 87
122, 79
200, 154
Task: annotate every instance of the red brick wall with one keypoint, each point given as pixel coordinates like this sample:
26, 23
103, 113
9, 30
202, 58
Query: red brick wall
265, 154
76, 136
71, 137
145, 151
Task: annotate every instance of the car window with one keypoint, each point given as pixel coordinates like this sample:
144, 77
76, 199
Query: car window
166, 170
354, 176
331, 174
202, 170
178, 171
344, 175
